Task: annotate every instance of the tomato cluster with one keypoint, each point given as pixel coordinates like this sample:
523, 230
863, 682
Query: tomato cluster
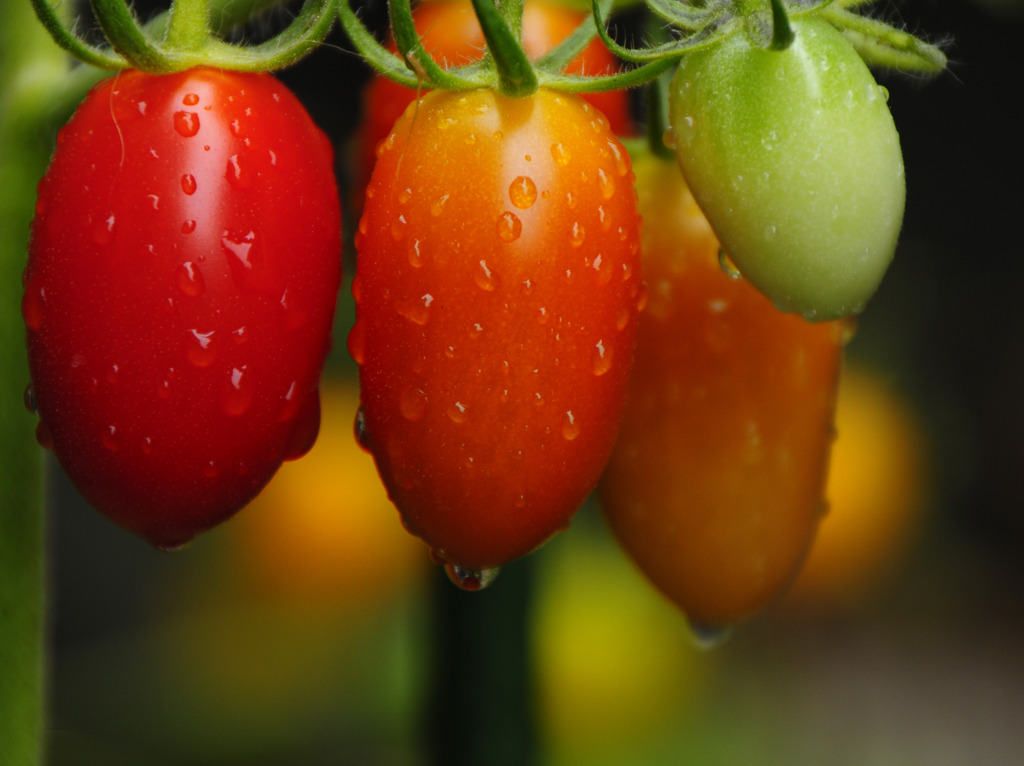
185, 260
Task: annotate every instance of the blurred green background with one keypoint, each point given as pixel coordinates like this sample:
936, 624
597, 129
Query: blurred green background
305, 632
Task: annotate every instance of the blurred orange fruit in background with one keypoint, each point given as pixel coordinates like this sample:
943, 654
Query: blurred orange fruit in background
324, 528
877, 494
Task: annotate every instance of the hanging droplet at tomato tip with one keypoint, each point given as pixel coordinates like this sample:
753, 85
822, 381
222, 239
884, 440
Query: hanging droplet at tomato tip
471, 579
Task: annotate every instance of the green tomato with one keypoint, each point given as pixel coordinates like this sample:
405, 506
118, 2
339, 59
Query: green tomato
795, 160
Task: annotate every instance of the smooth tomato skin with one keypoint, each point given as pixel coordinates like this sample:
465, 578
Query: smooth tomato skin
795, 160
497, 290
451, 33
182, 275
715, 486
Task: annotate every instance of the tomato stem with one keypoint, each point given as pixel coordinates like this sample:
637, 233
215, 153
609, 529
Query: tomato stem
782, 32
188, 27
516, 76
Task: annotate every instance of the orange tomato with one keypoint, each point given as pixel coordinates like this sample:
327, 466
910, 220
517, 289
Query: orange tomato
716, 482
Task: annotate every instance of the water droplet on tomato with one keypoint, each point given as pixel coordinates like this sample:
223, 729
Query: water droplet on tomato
457, 412
620, 156
606, 183
305, 428
186, 123
357, 342
188, 184
238, 173
243, 252
413, 403
570, 428
602, 358
578, 234
211, 470
522, 192
727, 266
560, 155
398, 228
190, 280
359, 429
201, 349
542, 315
509, 227
190, 99
103, 231
146, 445
238, 393
111, 438
415, 254
475, 331
29, 398
641, 297
470, 579
571, 201
437, 206
709, 636
485, 278
187, 227
404, 196
622, 318
770, 231
416, 310
237, 129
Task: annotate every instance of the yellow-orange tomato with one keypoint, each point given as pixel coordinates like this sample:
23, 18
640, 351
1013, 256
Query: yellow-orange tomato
715, 485
877, 488
324, 527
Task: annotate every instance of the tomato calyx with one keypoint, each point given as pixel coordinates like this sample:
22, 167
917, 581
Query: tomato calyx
766, 24
186, 36
505, 67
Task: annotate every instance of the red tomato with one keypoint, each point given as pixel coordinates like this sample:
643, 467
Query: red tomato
450, 31
179, 294
497, 290
716, 483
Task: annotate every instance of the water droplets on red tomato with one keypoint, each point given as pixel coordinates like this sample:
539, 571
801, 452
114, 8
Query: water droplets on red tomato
188, 184
238, 393
190, 280
201, 348
186, 123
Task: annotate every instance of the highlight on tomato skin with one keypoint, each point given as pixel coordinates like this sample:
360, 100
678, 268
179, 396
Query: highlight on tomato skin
179, 294
451, 33
497, 292
715, 486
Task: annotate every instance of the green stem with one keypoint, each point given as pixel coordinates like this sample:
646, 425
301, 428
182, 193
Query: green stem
516, 76
32, 67
480, 709
188, 27
782, 32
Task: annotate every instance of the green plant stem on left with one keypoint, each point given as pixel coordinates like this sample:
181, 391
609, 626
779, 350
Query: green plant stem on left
38, 92
31, 68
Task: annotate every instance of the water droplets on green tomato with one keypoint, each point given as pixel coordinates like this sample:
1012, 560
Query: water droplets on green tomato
795, 160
